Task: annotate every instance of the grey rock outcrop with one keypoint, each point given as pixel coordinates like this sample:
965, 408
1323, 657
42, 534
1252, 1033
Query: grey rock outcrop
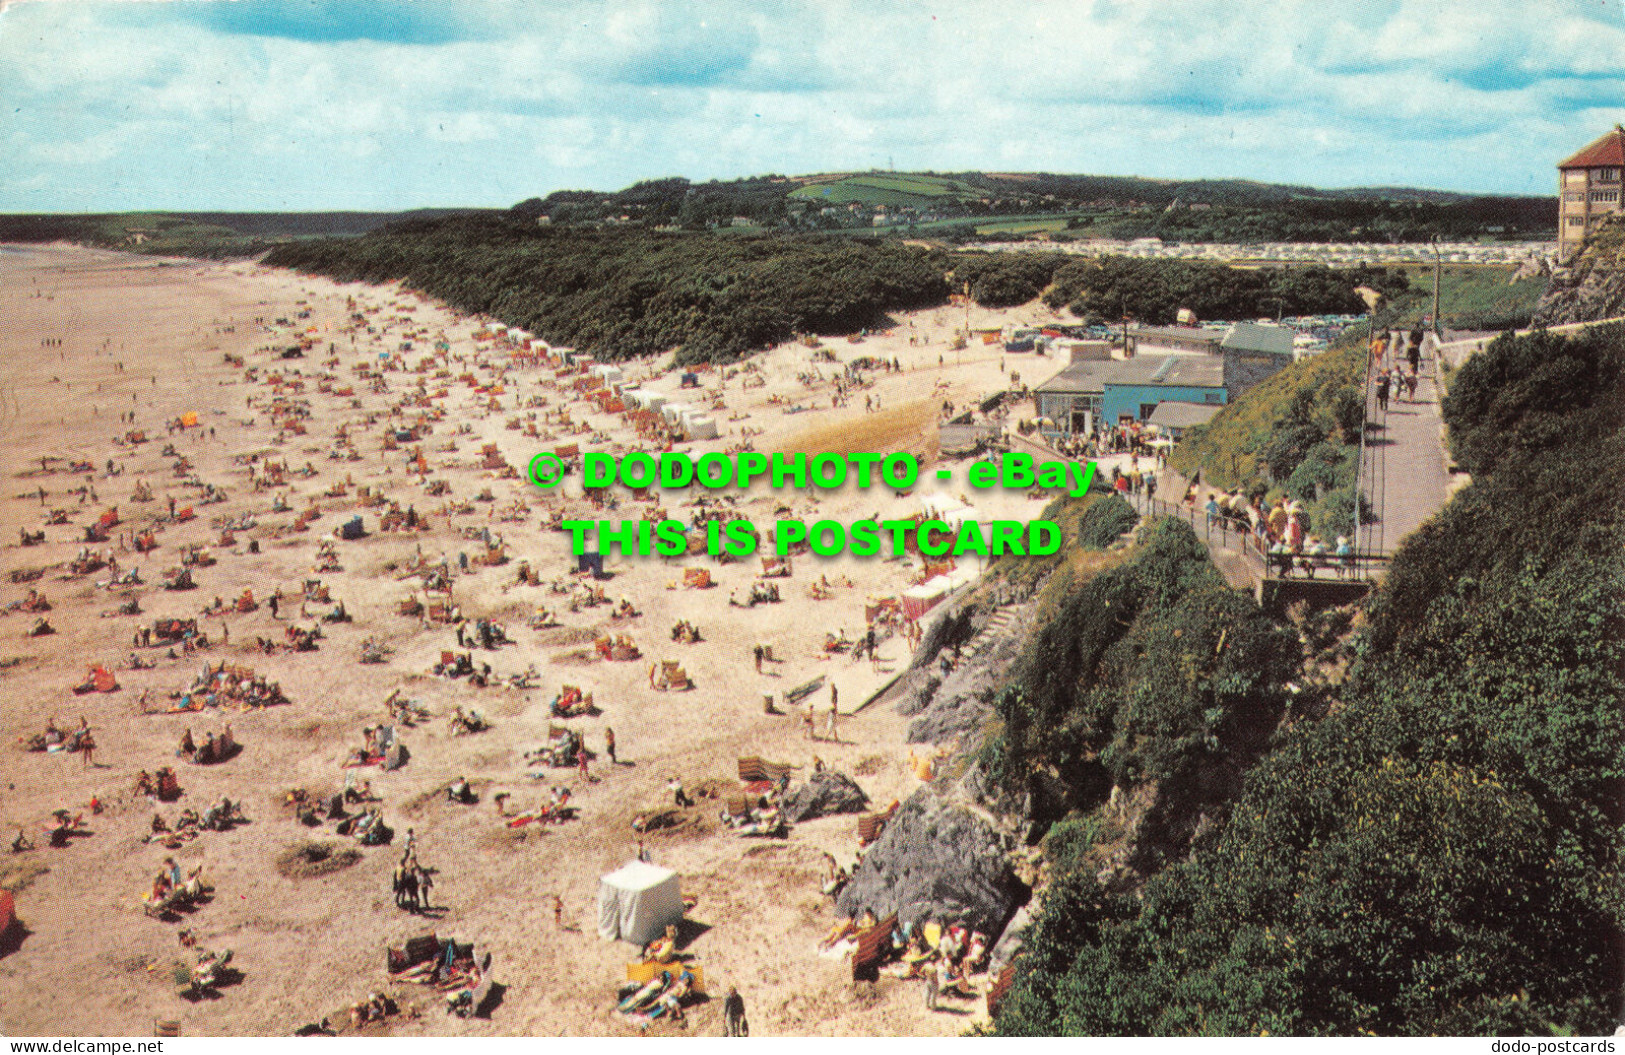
936, 860
915, 689
960, 703
824, 795
1593, 286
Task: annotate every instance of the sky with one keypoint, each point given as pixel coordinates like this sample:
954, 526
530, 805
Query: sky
111, 105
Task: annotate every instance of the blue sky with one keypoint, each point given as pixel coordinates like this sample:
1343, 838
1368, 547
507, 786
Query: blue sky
350, 104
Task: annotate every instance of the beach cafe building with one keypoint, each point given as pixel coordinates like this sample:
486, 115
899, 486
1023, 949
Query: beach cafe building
1168, 365
1091, 395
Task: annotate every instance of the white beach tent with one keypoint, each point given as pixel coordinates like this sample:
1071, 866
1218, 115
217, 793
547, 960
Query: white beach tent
918, 600
637, 901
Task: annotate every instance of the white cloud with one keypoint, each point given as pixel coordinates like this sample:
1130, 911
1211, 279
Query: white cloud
1450, 93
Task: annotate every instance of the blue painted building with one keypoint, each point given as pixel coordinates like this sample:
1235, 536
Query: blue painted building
1134, 395
1093, 394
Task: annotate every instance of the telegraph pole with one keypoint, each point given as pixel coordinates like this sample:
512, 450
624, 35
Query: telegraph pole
1438, 331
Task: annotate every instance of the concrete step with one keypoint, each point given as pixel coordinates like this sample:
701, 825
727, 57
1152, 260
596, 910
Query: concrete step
991, 631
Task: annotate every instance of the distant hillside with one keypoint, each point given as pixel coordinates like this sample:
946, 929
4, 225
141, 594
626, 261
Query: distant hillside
1594, 286
953, 207
301, 224
215, 235
966, 206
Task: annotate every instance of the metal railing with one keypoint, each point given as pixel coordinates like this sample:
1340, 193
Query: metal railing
1229, 532
1239, 536
1371, 472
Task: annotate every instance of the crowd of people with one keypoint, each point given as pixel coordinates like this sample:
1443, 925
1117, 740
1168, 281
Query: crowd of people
1396, 365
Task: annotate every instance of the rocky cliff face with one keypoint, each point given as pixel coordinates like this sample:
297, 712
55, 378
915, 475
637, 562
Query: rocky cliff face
1593, 286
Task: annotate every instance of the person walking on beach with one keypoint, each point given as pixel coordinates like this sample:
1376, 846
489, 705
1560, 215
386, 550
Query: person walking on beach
733, 1014
609, 744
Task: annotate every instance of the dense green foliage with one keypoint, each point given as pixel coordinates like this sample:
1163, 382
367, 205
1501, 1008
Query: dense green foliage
1153, 291
1152, 671
1536, 415
1105, 521
1002, 280
1373, 218
955, 207
1441, 853
620, 293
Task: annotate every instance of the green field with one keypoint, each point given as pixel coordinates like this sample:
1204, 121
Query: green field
1471, 297
1020, 224
886, 189
1048, 225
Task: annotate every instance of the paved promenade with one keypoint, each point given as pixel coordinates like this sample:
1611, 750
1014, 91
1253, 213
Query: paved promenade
1405, 477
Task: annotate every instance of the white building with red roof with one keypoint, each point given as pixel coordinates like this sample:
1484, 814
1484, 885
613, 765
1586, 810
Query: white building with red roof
1589, 188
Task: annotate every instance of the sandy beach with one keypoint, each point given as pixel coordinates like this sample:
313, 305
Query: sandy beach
152, 337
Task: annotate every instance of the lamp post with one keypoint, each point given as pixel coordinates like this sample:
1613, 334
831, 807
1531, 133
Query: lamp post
1438, 332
